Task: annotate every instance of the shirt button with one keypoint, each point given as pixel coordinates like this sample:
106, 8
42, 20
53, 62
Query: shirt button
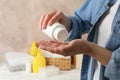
118, 22
110, 4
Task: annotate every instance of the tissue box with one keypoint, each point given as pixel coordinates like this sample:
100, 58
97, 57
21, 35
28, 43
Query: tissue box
62, 63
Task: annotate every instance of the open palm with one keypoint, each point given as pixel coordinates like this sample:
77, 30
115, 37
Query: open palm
63, 48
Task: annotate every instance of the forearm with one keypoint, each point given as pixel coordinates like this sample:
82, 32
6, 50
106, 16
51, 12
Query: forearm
99, 53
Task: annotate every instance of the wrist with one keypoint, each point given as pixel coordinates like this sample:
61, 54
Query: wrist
87, 47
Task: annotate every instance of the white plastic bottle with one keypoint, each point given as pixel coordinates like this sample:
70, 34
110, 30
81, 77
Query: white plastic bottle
57, 32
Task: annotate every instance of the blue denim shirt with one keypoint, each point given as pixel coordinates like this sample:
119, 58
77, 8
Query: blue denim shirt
85, 20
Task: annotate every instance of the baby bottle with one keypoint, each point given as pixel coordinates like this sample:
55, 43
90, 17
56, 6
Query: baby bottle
56, 32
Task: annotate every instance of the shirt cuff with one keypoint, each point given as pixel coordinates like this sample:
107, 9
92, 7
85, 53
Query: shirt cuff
112, 70
75, 30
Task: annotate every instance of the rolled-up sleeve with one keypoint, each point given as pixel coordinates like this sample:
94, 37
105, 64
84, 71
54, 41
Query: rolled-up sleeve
79, 27
112, 71
81, 21
75, 32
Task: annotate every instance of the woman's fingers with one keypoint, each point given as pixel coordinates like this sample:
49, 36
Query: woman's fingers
41, 21
55, 43
57, 17
44, 44
50, 18
56, 47
45, 19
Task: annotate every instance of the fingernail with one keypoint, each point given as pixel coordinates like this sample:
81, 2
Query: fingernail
42, 28
49, 24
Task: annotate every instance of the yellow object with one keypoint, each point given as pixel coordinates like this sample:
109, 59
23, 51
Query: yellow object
33, 49
38, 62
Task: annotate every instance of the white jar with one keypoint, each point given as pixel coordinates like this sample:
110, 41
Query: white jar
56, 32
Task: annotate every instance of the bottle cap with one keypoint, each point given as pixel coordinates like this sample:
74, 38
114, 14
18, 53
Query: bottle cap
57, 32
60, 34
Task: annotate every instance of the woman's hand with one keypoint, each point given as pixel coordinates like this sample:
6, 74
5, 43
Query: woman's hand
77, 46
64, 48
52, 17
